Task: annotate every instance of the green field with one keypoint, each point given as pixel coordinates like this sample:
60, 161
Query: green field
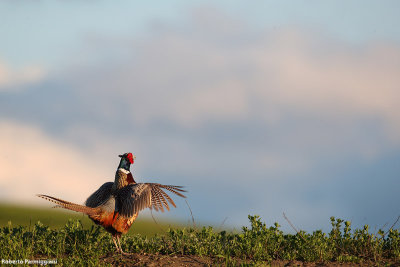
57, 218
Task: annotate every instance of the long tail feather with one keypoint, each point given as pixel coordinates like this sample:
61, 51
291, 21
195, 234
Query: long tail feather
71, 206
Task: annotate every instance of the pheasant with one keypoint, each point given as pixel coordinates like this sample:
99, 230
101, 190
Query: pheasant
116, 205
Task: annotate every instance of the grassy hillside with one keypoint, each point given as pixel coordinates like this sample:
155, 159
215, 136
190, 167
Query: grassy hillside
57, 218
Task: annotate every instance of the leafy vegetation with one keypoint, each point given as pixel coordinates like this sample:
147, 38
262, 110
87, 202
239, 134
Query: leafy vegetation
73, 244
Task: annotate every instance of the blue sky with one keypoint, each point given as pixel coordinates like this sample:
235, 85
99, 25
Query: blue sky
53, 28
265, 108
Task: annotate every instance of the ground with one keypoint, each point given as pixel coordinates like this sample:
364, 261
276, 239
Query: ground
178, 260
157, 260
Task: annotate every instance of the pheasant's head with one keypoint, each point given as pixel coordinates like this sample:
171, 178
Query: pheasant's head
126, 160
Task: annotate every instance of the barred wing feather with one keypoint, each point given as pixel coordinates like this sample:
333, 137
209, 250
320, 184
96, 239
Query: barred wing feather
133, 198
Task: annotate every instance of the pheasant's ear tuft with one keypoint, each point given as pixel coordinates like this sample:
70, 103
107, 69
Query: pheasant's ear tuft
130, 157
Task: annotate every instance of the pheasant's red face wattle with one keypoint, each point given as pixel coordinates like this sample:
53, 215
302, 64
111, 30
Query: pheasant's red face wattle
130, 157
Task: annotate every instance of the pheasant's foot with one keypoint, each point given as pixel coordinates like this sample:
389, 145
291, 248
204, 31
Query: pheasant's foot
120, 248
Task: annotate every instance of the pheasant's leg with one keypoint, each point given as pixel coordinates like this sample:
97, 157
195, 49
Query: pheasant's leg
115, 243
120, 248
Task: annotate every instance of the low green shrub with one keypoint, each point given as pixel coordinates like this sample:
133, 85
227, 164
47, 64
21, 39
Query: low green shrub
73, 244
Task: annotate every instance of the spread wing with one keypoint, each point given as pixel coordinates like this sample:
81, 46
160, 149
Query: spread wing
101, 195
133, 198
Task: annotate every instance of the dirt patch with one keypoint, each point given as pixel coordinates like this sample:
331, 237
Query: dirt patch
186, 260
157, 260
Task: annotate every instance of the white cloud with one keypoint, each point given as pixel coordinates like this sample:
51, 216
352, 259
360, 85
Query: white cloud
16, 77
33, 162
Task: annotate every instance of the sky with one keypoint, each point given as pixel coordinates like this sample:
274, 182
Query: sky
260, 108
